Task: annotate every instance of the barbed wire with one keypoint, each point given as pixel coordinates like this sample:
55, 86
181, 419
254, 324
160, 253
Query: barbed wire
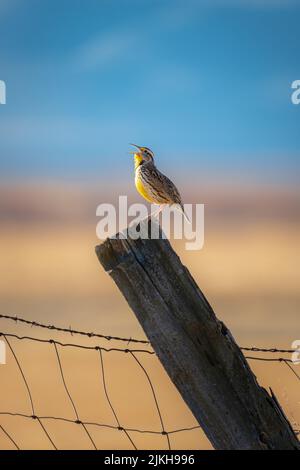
71, 330
87, 425
267, 350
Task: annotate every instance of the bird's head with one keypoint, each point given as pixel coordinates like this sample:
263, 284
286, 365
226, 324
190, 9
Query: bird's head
142, 155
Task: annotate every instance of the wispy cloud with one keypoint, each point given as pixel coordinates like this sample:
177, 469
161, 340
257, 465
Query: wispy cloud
105, 49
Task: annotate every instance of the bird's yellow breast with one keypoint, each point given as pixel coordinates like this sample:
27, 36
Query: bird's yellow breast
137, 160
142, 189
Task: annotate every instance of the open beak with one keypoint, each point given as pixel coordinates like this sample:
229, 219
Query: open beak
137, 146
135, 152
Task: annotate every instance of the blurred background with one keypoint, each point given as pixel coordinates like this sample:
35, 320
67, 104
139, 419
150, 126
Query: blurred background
207, 86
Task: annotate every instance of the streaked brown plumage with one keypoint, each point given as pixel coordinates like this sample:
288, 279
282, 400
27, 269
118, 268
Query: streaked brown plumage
154, 186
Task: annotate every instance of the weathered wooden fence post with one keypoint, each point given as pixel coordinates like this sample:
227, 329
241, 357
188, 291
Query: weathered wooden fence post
196, 349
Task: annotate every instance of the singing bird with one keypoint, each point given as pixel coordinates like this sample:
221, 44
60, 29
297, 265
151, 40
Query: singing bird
152, 184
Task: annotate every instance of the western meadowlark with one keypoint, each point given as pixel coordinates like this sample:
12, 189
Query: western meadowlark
152, 184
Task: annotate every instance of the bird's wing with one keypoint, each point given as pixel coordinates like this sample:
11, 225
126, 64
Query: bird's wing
165, 186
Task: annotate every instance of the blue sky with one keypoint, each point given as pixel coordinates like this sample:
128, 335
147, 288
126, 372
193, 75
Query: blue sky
204, 83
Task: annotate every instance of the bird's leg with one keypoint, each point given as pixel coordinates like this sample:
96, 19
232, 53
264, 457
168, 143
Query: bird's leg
153, 214
156, 213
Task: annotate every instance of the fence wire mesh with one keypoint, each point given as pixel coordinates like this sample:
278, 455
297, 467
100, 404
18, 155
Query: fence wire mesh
134, 352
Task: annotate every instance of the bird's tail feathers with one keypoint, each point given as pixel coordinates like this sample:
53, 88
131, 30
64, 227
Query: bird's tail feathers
181, 209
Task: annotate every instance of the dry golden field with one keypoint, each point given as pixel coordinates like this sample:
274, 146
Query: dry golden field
248, 269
